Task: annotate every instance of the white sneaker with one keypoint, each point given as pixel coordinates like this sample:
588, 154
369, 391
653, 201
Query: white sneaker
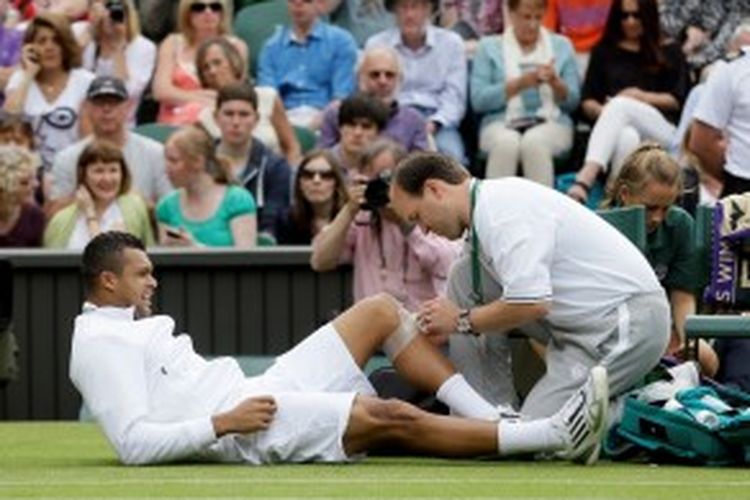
584, 418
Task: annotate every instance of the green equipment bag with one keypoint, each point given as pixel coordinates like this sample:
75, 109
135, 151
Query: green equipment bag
696, 433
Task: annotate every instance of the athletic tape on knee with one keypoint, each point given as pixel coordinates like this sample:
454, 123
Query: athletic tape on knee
402, 335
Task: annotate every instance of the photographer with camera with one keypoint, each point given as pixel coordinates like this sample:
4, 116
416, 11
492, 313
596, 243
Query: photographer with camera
388, 253
113, 46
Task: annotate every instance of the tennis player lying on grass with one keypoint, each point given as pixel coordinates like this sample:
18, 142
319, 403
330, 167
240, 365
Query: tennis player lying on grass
158, 401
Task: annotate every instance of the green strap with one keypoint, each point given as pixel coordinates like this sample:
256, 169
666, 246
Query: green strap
476, 271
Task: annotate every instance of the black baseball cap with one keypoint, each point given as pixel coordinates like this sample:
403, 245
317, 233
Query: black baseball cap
107, 86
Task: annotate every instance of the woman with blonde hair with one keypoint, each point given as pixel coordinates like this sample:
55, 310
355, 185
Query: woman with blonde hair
176, 85
21, 222
204, 210
103, 201
113, 46
50, 87
652, 178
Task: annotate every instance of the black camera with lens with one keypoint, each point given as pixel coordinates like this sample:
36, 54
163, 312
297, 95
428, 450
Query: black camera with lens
376, 192
116, 9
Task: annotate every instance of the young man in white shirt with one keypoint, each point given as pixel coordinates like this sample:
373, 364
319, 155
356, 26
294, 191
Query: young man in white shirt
158, 401
534, 259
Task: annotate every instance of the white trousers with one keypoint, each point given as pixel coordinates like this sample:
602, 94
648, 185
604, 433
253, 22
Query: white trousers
621, 127
535, 149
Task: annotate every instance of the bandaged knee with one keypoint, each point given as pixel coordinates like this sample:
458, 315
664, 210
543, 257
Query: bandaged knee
403, 335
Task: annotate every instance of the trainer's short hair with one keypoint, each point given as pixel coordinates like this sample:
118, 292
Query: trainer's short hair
104, 253
413, 172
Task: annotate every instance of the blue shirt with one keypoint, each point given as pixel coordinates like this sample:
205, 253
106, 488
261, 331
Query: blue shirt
434, 75
309, 73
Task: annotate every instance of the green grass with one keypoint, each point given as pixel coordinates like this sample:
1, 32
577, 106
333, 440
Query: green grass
72, 460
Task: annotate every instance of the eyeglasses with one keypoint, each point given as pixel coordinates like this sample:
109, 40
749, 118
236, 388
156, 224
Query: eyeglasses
199, 7
325, 175
390, 75
633, 13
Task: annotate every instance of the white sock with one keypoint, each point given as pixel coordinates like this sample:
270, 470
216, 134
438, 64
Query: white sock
516, 436
460, 397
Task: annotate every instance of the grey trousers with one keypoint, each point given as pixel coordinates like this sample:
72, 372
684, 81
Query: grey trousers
628, 341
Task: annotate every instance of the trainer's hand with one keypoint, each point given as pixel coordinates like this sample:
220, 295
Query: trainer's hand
251, 415
437, 319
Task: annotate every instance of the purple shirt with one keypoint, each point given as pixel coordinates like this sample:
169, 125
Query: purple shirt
28, 230
412, 268
10, 50
406, 126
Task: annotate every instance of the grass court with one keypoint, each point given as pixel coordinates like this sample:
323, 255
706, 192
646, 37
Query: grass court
71, 460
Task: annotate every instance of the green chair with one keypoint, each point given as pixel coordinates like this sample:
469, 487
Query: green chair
156, 131
630, 221
305, 137
256, 23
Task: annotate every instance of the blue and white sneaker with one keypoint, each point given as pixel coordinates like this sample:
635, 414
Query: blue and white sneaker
584, 418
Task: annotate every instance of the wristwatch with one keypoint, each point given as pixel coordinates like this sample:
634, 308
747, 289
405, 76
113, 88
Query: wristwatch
463, 324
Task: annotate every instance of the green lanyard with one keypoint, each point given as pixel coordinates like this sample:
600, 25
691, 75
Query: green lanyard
476, 271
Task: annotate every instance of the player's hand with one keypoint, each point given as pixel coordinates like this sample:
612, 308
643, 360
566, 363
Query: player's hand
437, 319
251, 415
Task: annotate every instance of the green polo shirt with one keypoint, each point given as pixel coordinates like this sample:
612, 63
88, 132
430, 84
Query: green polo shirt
671, 251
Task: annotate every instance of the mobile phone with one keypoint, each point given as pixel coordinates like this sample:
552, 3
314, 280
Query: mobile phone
173, 233
34, 55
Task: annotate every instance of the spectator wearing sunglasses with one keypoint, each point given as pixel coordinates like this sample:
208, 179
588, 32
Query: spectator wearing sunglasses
435, 71
176, 84
380, 76
633, 91
310, 63
113, 46
319, 193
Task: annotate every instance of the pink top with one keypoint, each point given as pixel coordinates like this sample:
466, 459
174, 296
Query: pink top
412, 268
185, 77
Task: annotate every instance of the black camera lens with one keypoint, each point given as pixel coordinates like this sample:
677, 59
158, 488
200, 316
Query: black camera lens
116, 11
376, 192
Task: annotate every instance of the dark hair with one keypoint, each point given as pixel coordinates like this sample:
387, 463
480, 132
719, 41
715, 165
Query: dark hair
239, 91
100, 150
361, 106
301, 213
514, 4
17, 123
71, 51
651, 39
230, 52
104, 253
411, 173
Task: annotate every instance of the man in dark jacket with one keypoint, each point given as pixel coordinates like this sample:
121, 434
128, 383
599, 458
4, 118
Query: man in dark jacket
261, 171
